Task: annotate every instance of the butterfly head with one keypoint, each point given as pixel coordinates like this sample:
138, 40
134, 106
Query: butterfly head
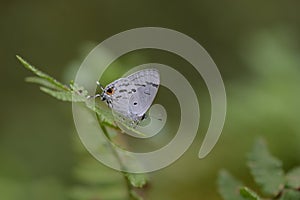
107, 93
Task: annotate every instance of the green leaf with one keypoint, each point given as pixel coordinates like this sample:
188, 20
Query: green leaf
290, 195
266, 169
293, 178
136, 180
60, 95
79, 91
42, 82
249, 194
229, 186
52, 81
105, 117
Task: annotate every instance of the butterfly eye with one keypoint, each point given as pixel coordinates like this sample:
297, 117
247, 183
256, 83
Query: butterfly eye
110, 91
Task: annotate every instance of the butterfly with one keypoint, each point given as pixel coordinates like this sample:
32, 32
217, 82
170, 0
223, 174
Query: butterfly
131, 97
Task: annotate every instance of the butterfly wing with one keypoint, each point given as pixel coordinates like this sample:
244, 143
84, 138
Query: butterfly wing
120, 97
134, 94
147, 82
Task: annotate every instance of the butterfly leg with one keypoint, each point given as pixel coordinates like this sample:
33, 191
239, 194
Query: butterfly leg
144, 117
95, 96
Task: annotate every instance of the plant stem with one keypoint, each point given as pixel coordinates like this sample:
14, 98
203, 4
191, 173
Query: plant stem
128, 184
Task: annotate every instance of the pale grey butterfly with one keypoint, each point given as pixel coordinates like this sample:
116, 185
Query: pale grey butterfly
130, 97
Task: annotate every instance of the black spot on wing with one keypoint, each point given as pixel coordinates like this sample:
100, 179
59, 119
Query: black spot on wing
122, 90
125, 84
153, 84
147, 92
142, 85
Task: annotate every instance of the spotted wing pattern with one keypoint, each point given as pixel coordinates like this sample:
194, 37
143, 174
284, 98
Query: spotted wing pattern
147, 83
133, 95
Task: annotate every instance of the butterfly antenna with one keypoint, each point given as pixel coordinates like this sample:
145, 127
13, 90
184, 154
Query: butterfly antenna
99, 84
97, 95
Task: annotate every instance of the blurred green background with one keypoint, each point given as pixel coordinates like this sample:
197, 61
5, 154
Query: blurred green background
255, 44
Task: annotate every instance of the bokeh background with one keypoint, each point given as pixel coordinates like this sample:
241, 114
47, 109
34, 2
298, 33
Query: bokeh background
255, 44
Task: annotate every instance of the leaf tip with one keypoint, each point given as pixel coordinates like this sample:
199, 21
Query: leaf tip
20, 58
248, 194
22, 61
